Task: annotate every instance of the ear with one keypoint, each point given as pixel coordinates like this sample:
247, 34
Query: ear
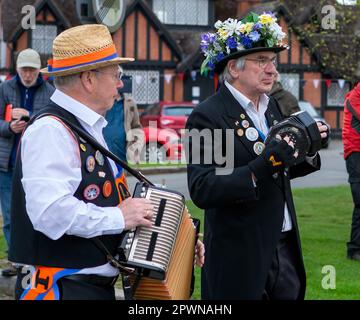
87, 79
234, 72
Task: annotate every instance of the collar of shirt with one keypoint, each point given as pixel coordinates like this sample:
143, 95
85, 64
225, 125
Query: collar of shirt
257, 116
89, 119
79, 110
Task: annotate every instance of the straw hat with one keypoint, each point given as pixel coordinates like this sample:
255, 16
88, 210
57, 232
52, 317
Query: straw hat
82, 48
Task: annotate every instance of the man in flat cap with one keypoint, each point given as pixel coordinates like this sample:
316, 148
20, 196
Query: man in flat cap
20, 97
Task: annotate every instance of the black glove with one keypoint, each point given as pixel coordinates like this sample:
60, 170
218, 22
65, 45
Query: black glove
275, 157
325, 141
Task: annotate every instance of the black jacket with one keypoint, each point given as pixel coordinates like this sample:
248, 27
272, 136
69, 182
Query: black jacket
242, 223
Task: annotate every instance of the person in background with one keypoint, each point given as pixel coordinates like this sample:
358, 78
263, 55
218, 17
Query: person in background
287, 101
351, 141
21, 96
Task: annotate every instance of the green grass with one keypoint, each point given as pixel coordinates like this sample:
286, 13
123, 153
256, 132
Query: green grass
3, 247
324, 216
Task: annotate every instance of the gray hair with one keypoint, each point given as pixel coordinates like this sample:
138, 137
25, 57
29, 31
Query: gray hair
240, 65
65, 81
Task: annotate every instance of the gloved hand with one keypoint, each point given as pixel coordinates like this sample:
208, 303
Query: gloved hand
275, 157
324, 141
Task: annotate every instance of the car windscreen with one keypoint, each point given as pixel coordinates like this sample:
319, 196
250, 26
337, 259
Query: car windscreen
177, 111
306, 106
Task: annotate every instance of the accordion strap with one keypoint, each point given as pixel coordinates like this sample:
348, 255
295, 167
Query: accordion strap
83, 134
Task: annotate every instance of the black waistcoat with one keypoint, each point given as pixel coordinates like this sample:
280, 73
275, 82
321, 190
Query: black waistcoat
29, 246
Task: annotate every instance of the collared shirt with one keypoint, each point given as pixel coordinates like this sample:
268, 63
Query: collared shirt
52, 174
259, 119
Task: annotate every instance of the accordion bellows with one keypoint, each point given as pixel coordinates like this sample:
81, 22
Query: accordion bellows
162, 254
176, 285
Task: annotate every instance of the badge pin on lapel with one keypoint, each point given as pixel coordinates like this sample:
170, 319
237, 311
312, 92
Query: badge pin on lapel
251, 134
240, 132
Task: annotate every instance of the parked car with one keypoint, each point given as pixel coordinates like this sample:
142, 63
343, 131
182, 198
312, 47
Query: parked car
307, 106
161, 145
163, 123
167, 115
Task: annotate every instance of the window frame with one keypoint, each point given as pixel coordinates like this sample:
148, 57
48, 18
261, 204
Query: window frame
32, 36
210, 18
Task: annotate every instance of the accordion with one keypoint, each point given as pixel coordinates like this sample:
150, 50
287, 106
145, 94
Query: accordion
302, 131
164, 254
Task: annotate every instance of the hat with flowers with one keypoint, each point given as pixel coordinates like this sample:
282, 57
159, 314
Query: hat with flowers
235, 38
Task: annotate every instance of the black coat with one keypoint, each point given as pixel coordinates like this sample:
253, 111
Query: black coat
242, 223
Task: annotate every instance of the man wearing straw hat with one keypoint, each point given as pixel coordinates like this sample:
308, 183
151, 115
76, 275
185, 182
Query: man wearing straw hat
250, 231
66, 192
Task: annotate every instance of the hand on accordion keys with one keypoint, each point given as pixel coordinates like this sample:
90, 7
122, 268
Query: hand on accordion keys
136, 212
274, 159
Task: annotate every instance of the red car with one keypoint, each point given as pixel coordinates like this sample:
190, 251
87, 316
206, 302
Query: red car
162, 145
167, 115
162, 123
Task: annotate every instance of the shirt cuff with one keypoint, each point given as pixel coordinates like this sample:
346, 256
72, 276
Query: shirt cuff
117, 221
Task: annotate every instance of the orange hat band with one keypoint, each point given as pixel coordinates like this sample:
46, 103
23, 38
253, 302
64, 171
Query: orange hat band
106, 54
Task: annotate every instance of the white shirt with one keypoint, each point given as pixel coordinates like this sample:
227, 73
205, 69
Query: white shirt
259, 119
52, 173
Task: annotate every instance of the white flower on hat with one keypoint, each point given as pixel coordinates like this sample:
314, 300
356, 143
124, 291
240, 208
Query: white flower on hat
218, 24
276, 31
229, 27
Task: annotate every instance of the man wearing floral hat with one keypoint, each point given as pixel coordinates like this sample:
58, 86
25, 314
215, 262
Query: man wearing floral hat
65, 192
251, 235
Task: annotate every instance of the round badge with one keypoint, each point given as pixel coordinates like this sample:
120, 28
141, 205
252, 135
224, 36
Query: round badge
91, 192
259, 147
240, 132
99, 158
82, 147
90, 163
242, 116
107, 189
251, 134
245, 124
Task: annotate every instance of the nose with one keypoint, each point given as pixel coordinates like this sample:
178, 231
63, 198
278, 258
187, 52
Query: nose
120, 84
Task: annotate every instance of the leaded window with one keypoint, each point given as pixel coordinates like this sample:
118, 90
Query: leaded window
182, 12
43, 37
336, 94
291, 82
145, 85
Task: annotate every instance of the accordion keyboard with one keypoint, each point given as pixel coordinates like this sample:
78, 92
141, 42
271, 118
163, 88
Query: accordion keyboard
152, 247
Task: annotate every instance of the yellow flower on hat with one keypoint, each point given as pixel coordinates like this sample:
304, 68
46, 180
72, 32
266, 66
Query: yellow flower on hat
248, 27
223, 33
266, 19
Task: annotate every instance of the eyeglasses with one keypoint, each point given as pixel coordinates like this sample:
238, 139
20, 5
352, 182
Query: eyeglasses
263, 62
117, 77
